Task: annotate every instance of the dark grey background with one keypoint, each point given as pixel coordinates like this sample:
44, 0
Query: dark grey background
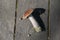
24, 27
7, 12
55, 19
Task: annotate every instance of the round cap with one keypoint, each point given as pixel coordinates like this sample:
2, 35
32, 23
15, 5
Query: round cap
27, 13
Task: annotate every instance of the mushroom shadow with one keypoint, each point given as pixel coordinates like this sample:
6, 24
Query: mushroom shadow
36, 14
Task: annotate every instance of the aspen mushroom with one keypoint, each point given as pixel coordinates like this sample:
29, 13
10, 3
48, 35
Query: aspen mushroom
28, 14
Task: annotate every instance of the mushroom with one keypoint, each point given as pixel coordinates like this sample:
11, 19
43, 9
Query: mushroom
28, 14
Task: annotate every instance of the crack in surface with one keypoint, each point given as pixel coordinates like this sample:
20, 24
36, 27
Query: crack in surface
15, 20
48, 23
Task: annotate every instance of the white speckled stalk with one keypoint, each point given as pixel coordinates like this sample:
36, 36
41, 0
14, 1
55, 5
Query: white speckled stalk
34, 23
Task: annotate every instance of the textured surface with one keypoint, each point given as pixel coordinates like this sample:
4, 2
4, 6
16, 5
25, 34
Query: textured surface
7, 12
24, 27
55, 19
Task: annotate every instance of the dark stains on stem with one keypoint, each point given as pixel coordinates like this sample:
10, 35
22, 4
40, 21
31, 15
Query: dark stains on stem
36, 14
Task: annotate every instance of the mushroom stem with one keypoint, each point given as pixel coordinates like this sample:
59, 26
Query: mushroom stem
34, 23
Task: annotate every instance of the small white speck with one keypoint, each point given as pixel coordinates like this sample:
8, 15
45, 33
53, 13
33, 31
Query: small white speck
29, 35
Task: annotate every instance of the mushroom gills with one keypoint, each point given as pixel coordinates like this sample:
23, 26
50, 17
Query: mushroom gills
35, 24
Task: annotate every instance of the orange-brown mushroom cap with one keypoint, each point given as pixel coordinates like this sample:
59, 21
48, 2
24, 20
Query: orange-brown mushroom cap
27, 13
